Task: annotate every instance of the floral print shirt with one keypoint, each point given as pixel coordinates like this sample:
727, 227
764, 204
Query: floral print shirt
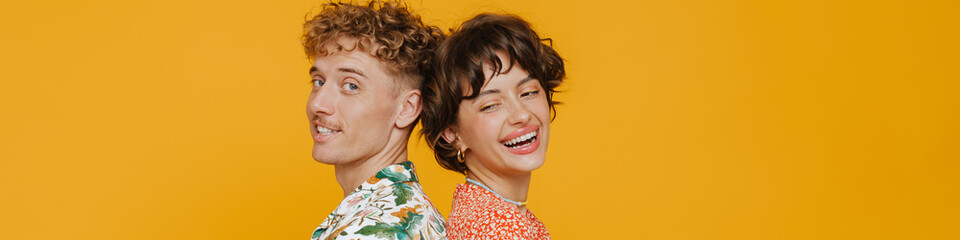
389, 205
479, 214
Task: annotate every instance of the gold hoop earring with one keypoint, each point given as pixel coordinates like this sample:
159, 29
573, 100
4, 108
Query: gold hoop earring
456, 139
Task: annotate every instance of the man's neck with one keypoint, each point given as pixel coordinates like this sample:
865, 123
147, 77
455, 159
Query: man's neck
351, 175
512, 187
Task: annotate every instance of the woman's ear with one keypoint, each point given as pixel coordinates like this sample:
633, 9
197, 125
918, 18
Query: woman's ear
449, 135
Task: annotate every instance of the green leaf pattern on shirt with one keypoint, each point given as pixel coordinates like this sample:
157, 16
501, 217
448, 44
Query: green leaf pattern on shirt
403, 193
383, 230
389, 205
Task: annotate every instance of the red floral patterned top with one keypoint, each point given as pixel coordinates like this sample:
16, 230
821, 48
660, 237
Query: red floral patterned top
479, 214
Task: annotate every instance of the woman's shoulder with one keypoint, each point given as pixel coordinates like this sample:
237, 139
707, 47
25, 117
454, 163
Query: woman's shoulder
477, 213
496, 221
475, 204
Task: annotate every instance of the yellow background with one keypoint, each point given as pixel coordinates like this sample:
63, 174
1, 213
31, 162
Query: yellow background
682, 120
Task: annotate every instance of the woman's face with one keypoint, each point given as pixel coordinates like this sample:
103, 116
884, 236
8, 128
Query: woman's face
506, 127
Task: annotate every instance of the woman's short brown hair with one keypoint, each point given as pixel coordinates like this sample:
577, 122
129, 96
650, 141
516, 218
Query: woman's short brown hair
387, 28
459, 63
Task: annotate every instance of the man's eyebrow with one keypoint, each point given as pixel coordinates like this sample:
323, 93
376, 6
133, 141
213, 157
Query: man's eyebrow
352, 70
344, 69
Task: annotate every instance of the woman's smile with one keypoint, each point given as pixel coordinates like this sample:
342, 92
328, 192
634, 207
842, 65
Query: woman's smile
522, 141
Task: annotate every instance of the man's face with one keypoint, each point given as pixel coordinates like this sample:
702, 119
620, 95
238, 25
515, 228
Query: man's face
352, 107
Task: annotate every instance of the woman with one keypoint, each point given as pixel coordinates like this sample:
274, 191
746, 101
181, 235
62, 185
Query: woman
487, 114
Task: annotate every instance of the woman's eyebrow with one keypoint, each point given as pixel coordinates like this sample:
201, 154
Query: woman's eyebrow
527, 79
491, 91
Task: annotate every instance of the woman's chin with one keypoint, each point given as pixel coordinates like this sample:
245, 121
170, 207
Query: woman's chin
526, 164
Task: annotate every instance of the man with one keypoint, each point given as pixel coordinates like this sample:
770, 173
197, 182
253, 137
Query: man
368, 64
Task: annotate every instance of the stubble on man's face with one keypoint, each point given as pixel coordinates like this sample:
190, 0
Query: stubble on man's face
358, 98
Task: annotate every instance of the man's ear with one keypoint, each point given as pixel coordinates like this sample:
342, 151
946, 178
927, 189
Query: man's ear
410, 109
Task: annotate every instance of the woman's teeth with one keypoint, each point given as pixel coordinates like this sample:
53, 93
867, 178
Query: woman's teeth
513, 143
323, 130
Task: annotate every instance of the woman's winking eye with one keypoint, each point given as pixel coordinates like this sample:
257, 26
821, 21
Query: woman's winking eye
489, 107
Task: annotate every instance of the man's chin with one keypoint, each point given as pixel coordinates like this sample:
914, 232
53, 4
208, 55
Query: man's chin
324, 161
325, 157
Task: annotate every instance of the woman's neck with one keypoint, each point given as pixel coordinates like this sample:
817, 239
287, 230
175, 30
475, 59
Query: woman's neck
512, 187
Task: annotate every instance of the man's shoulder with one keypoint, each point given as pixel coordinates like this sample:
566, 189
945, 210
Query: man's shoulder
407, 199
397, 211
406, 193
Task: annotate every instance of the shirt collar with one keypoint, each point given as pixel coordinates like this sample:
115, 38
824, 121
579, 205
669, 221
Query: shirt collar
400, 172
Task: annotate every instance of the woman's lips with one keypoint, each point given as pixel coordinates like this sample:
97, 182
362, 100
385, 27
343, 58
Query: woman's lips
522, 141
524, 147
520, 132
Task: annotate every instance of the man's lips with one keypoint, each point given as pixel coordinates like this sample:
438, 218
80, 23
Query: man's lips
325, 125
322, 129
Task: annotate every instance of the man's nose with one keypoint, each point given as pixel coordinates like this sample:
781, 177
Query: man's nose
321, 103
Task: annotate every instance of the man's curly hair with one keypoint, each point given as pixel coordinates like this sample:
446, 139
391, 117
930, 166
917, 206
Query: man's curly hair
386, 28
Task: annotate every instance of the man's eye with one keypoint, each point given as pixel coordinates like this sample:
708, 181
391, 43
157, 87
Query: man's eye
350, 87
317, 82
